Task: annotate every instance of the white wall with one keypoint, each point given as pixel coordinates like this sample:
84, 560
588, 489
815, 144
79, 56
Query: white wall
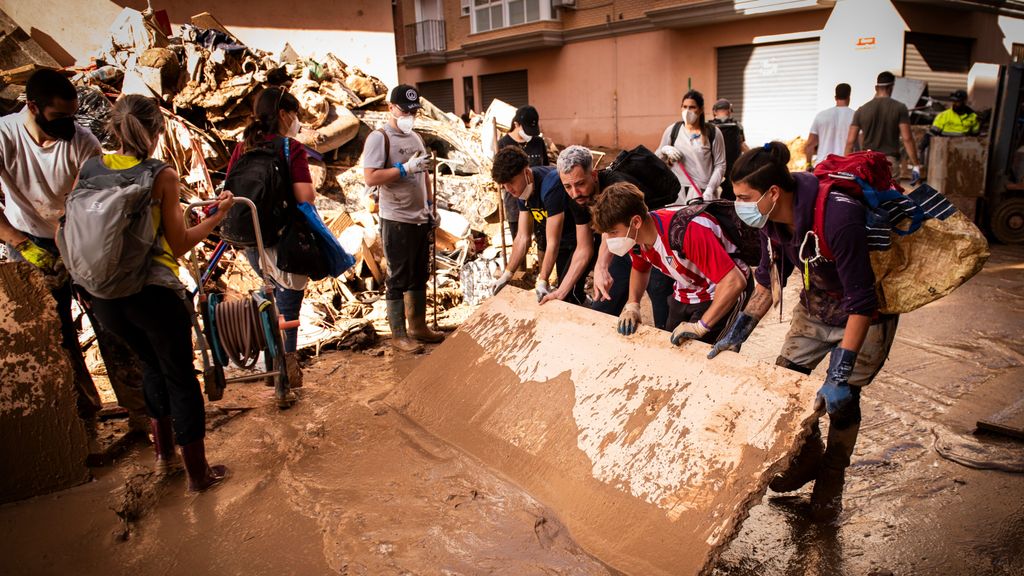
854, 22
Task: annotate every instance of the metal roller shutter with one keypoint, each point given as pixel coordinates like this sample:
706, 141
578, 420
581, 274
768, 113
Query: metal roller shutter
509, 87
773, 88
440, 92
942, 61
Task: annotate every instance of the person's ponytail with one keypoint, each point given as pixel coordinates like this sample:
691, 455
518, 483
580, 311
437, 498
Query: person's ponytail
764, 167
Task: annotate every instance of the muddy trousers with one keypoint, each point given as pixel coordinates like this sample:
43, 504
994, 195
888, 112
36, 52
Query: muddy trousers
122, 366
808, 342
156, 323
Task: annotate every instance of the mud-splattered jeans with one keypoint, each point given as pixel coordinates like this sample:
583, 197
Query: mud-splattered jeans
809, 340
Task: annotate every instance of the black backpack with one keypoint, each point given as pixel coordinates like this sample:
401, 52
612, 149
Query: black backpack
746, 239
262, 175
655, 179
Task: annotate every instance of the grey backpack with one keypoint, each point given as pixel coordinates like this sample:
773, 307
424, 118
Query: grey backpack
106, 237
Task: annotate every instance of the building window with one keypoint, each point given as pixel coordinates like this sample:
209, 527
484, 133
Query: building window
495, 14
1018, 53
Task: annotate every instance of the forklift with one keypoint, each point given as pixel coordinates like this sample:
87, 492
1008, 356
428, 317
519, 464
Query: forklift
1001, 210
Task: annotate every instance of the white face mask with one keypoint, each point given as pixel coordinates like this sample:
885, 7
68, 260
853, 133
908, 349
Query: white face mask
526, 192
524, 136
622, 245
690, 116
293, 129
405, 123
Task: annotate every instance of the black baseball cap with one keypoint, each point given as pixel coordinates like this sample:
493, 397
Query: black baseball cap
958, 95
528, 118
721, 104
405, 97
885, 79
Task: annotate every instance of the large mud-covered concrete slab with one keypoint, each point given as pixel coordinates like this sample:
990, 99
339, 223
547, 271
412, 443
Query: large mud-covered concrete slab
651, 454
42, 441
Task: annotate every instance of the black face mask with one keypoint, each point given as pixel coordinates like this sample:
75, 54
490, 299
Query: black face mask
63, 128
959, 108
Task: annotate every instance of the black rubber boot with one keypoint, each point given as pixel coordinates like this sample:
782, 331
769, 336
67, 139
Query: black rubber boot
396, 320
201, 475
163, 443
416, 312
827, 498
804, 468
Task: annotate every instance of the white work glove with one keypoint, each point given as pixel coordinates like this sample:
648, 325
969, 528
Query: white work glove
671, 154
629, 319
915, 175
542, 289
688, 331
420, 162
501, 282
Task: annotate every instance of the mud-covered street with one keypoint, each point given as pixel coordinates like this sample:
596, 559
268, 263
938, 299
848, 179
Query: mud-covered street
341, 484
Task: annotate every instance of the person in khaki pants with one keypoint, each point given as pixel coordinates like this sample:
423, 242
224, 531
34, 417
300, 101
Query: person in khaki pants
837, 315
395, 160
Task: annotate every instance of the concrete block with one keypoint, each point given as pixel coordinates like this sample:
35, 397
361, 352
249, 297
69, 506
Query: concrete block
42, 440
650, 454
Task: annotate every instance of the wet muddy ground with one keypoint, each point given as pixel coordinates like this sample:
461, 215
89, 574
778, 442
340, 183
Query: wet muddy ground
340, 484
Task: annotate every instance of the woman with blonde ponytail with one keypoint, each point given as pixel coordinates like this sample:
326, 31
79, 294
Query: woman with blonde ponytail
156, 321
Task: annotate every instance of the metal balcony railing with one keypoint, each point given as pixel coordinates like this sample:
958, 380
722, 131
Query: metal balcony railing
424, 36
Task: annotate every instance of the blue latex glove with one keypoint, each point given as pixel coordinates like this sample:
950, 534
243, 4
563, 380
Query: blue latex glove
835, 394
915, 175
736, 335
629, 319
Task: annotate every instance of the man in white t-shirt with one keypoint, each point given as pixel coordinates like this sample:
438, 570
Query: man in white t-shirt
41, 152
829, 129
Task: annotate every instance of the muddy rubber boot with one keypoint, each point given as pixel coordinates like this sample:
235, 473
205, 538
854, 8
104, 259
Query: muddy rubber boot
167, 460
416, 312
396, 320
201, 475
827, 498
291, 362
804, 468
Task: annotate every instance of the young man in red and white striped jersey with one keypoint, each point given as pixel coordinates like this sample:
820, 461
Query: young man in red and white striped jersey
709, 277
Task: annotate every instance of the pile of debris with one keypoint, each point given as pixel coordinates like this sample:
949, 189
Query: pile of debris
208, 81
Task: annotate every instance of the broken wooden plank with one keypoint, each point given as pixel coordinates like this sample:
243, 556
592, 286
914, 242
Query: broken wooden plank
649, 453
1008, 421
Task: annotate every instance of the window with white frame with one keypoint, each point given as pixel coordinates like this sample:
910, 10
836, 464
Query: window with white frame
494, 14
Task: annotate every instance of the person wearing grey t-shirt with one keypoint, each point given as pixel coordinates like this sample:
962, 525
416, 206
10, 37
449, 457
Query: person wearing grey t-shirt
396, 162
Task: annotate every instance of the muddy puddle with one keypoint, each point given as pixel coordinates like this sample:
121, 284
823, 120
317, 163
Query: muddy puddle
340, 484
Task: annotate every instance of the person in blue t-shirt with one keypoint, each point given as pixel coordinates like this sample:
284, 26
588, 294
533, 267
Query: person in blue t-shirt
540, 193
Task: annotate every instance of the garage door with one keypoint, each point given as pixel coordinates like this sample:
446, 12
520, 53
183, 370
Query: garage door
773, 88
942, 61
440, 92
510, 87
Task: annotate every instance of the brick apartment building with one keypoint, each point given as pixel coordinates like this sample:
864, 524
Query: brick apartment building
611, 72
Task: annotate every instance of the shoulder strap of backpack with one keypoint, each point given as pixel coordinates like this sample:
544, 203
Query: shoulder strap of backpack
387, 147
675, 133
711, 135
818, 227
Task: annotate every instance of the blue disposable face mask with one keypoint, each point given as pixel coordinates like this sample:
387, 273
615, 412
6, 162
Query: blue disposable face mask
750, 214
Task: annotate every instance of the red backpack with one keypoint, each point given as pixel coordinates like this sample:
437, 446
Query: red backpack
921, 247
864, 176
